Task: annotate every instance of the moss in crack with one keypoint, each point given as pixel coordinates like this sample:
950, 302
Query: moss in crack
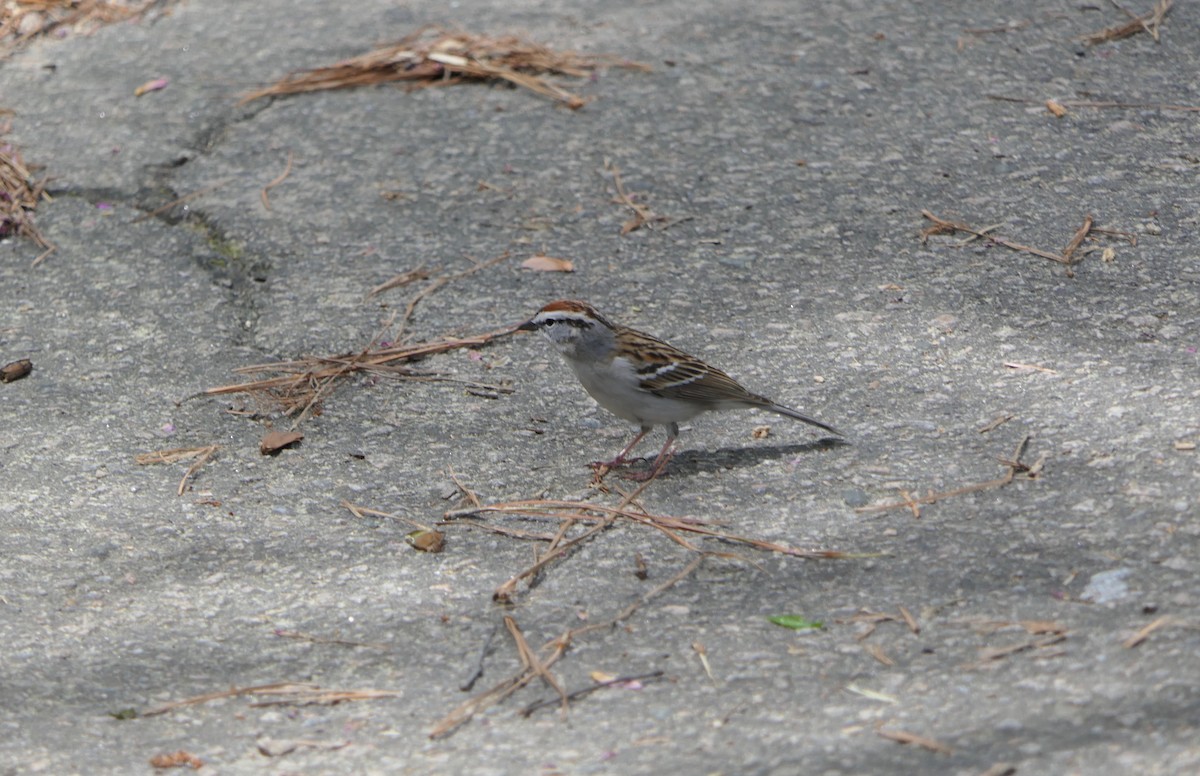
233, 267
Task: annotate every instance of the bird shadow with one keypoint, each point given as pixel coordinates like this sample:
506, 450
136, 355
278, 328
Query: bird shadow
689, 462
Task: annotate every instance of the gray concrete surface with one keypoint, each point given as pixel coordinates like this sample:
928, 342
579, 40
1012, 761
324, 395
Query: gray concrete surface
809, 282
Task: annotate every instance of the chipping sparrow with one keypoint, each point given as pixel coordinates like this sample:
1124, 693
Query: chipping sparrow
642, 379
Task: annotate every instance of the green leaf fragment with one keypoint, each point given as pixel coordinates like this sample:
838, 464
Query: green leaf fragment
796, 622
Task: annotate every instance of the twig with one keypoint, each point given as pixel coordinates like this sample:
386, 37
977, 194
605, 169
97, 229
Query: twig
1014, 467
642, 214
232, 692
396, 281
530, 661
195, 467
286, 634
577, 694
551, 651
432, 56
313, 377
1148, 23
316, 695
502, 530
438, 283
1145, 632
1077, 240
504, 593
1101, 104
904, 737
702, 653
992, 654
202, 454
361, 512
942, 226
470, 494
996, 423
287, 170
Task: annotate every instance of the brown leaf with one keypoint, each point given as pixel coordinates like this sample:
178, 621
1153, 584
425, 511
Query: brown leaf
177, 760
1056, 108
274, 441
427, 541
547, 264
16, 370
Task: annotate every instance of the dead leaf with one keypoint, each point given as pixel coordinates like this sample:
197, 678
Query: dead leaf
1056, 108
274, 441
547, 264
177, 760
16, 370
426, 540
760, 432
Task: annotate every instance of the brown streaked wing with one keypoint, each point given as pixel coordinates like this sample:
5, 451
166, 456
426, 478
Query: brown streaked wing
692, 381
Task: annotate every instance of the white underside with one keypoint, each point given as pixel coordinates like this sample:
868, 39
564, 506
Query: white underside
614, 386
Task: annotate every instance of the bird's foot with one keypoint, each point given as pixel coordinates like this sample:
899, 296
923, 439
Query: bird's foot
656, 469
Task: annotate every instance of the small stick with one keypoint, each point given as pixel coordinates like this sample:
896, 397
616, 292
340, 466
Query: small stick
361, 512
910, 621
957, 226
205, 455
531, 662
1014, 465
1101, 104
287, 170
1145, 632
1077, 240
641, 213
50, 248
232, 692
999, 421
904, 737
503, 531
470, 494
402, 279
528, 710
552, 651
876, 651
285, 634
504, 592
439, 283
702, 653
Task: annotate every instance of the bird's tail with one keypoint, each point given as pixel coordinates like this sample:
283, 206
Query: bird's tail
791, 413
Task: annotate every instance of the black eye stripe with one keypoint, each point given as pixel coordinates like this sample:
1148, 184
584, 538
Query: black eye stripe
578, 323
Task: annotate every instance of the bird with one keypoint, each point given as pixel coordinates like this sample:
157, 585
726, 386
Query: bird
641, 379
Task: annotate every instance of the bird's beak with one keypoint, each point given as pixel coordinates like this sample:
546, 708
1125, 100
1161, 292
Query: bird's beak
527, 326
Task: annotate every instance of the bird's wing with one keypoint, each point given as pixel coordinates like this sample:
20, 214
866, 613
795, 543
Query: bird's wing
691, 380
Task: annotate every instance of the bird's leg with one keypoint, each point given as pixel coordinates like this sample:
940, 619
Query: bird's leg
660, 462
620, 459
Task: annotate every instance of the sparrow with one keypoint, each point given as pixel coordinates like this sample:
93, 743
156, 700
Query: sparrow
642, 379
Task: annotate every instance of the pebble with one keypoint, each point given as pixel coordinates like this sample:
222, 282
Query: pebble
1107, 586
